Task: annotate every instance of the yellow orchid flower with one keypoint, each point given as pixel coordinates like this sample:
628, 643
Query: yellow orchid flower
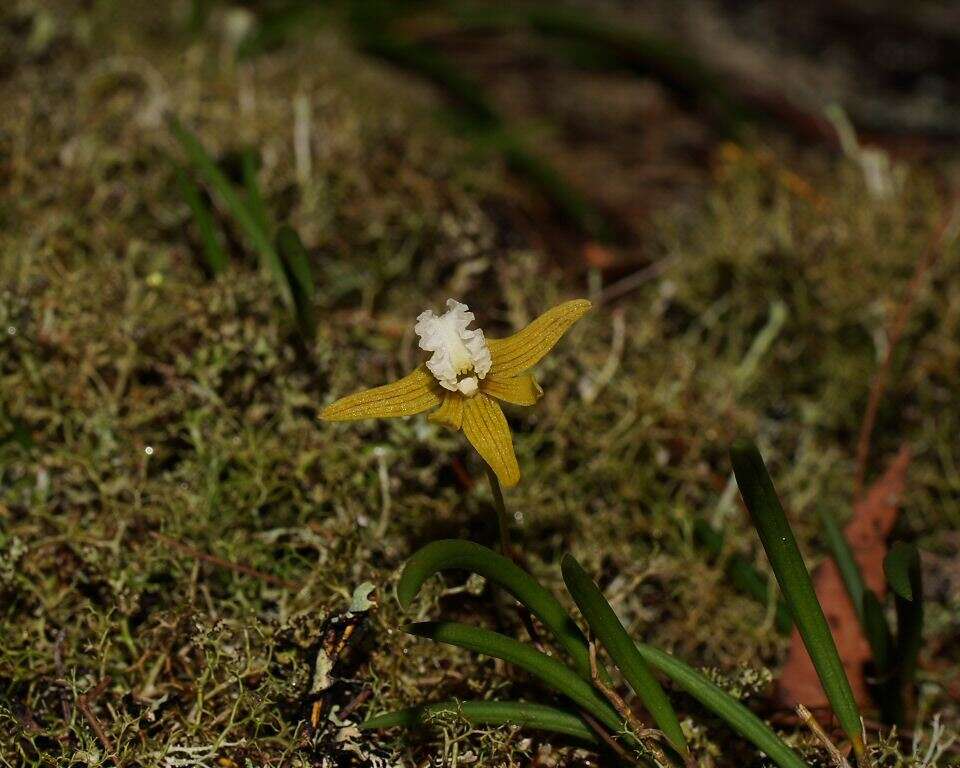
466, 376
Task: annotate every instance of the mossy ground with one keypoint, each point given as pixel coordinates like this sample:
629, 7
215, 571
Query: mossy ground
149, 413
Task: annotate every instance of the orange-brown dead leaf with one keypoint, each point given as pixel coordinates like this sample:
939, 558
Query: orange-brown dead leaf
873, 518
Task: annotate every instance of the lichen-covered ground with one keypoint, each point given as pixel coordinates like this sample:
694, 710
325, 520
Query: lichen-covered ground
176, 525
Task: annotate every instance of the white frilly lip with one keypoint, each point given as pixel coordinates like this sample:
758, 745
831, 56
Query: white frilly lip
460, 356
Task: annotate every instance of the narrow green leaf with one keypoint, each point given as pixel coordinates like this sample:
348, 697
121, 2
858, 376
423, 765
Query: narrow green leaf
909, 611
885, 687
743, 576
737, 716
535, 716
552, 672
898, 566
213, 254
479, 117
296, 265
455, 554
777, 537
843, 557
877, 631
233, 203
609, 631
250, 164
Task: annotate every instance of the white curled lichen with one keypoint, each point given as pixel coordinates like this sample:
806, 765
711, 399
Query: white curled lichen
460, 358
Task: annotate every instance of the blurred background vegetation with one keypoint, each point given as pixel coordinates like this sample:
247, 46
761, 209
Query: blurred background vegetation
217, 217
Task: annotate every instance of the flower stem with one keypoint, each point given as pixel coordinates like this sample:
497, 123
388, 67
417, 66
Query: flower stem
503, 519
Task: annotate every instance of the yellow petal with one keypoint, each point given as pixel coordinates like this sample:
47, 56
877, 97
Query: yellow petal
486, 428
450, 413
519, 390
516, 353
411, 394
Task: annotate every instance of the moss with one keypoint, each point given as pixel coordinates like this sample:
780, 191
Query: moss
148, 414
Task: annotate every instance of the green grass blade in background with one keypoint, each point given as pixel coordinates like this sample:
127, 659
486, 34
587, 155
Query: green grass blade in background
479, 117
214, 256
724, 706
296, 265
250, 165
899, 566
904, 574
877, 631
233, 203
553, 673
885, 687
535, 716
778, 540
609, 631
843, 557
742, 575
456, 554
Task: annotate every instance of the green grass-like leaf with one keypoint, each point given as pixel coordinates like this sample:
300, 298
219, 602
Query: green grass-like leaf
742, 575
214, 255
904, 560
877, 631
898, 566
610, 632
536, 716
737, 716
296, 264
778, 540
455, 554
843, 557
246, 220
553, 673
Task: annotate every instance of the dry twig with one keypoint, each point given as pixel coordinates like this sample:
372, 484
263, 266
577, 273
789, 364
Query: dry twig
944, 233
85, 703
227, 564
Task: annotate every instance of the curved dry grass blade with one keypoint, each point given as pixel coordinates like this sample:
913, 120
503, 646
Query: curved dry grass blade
780, 545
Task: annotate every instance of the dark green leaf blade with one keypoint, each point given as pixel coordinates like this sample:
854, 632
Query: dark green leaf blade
909, 615
556, 675
898, 566
214, 256
778, 541
843, 557
296, 265
610, 632
737, 716
233, 203
535, 716
456, 554
743, 576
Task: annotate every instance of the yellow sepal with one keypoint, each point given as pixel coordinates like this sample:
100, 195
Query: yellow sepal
518, 390
486, 428
412, 394
517, 353
450, 412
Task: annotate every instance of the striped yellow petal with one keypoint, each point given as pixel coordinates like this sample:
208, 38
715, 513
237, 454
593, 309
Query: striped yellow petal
519, 390
411, 394
450, 412
486, 428
517, 353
